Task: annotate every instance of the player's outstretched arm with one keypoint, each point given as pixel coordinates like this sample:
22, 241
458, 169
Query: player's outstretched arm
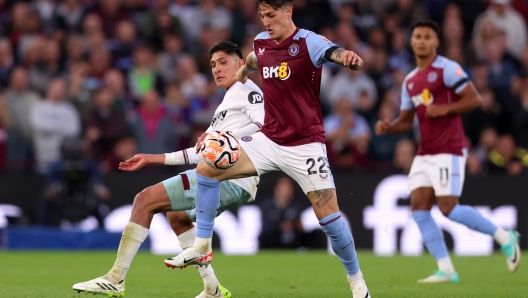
344, 57
138, 161
469, 100
400, 125
247, 69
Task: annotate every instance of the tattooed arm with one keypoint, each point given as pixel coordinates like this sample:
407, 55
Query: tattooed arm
344, 57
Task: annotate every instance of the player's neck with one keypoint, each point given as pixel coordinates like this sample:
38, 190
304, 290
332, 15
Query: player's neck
423, 62
291, 29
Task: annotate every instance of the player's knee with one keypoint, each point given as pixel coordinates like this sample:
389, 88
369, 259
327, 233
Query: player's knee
207, 171
446, 208
142, 199
178, 219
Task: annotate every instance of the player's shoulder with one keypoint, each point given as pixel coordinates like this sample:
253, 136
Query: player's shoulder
443, 62
248, 92
410, 75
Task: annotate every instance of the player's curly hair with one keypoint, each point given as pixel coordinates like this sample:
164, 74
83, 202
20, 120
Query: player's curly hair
275, 4
426, 23
226, 47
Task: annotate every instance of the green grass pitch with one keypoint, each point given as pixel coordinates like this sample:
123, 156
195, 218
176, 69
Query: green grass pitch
268, 274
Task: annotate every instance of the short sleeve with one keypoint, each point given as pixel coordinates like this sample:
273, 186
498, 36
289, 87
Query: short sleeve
317, 46
406, 102
455, 77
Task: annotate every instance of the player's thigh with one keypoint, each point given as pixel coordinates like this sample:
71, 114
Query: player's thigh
418, 175
241, 169
446, 173
422, 198
153, 198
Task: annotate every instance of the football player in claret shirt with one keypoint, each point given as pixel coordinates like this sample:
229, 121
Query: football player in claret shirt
438, 91
289, 60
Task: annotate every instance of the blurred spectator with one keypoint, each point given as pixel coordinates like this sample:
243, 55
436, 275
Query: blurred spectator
110, 13
281, 217
400, 57
209, 14
488, 115
151, 126
168, 58
193, 83
105, 126
311, 15
504, 17
501, 70
185, 13
124, 149
407, 11
179, 110
68, 17
350, 84
115, 81
520, 120
347, 136
74, 188
160, 22
18, 102
143, 77
364, 18
7, 62
123, 45
79, 89
506, 158
382, 147
404, 155
47, 67
52, 120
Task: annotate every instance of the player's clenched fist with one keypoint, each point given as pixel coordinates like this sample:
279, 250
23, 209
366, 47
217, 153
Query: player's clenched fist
382, 126
352, 59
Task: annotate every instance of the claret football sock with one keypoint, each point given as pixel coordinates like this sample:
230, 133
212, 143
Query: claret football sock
133, 236
472, 219
342, 242
207, 204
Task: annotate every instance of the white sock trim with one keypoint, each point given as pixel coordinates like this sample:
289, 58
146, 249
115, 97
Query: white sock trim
445, 264
203, 244
136, 232
357, 276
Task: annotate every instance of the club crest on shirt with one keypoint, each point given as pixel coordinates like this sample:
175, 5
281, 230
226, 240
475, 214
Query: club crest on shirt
425, 98
246, 138
293, 50
432, 77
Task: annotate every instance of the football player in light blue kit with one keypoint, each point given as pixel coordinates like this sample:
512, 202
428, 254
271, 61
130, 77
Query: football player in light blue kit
241, 112
438, 92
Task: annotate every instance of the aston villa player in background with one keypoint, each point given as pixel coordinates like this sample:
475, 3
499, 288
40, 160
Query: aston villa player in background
439, 91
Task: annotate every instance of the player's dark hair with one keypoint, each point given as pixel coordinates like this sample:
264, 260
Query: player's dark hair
226, 47
426, 23
275, 4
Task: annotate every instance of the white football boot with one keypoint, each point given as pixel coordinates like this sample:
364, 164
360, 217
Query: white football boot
221, 292
512, 251
190, 256
101, 286
440, 276
359, 289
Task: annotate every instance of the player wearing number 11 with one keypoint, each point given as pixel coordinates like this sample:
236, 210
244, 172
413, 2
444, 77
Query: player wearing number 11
292, 139
439, 91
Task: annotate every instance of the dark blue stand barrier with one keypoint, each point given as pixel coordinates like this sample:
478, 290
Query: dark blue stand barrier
55, 238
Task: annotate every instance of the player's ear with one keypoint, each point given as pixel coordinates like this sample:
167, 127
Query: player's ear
289, 11
240, 62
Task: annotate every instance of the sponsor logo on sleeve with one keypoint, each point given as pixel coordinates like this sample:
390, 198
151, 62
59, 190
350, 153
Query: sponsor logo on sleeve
255, 97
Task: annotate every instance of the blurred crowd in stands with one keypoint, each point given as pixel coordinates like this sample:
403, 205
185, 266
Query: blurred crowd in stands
130, 76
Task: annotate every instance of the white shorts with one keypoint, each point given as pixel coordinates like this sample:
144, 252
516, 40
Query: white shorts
443, 172
306, 164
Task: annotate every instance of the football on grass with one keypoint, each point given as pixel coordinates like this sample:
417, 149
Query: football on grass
221, 150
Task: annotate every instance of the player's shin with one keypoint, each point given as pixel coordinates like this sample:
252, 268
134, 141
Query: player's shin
433, 239
342, 243
207, 273
133, 236
207, 204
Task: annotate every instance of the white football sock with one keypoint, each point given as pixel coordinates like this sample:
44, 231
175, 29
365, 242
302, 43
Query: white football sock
445, 264
203, 244
187, 239
501, 236
133, 236
207, 273
357, 276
